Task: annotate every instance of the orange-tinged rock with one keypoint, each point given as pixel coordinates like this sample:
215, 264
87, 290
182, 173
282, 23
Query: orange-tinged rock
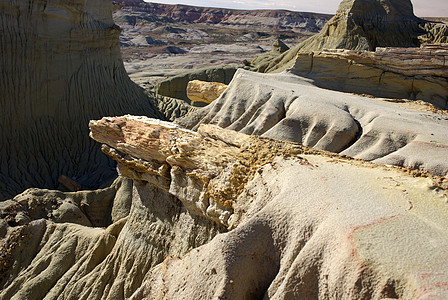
202, 91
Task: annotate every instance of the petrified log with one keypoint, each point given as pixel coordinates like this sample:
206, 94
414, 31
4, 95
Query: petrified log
306, 223
303, 223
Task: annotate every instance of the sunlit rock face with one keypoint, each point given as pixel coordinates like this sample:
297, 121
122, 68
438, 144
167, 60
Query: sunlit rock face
289, 107
403, 73
60, 67
366, 25
218, 213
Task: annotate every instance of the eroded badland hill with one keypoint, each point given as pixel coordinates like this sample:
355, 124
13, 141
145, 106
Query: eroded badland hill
309, 173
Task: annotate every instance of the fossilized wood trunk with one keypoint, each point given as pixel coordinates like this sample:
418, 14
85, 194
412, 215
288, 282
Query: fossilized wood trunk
306, 223
60, 66
303, 222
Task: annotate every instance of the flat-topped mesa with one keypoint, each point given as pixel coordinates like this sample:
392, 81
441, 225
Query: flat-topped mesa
60, 67
297, 21
408, 73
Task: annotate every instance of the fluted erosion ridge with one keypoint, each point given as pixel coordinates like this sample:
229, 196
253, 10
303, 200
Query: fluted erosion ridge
60, 66
289, 107
302, 224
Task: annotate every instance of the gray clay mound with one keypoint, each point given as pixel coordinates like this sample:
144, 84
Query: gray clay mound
220, 214
289, 107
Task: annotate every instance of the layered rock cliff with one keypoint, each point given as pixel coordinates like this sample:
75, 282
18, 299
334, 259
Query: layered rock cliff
274, 19
409, 73
301, 223
60, 66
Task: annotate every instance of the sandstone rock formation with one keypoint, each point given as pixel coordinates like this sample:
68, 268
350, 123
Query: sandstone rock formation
366, 25
264, 59
303, 224
176, 87
60, 66
289, 107
202, 93
214, 213
409, 73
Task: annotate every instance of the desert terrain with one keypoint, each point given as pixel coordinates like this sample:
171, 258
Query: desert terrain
160, 40
204, 153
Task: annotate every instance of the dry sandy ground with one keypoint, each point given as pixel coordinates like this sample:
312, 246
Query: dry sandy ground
148, 66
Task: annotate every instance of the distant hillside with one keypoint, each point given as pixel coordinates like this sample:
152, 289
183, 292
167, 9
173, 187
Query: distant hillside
159, 40
276, 19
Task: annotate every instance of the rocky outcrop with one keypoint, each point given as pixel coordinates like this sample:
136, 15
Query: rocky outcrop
60, 67
264, 59
98, 208
176, 87
366, 25
409, 73
303, 223
202, 93
288, 107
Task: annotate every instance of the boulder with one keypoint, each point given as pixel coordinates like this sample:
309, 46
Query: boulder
176, 87
204, 92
